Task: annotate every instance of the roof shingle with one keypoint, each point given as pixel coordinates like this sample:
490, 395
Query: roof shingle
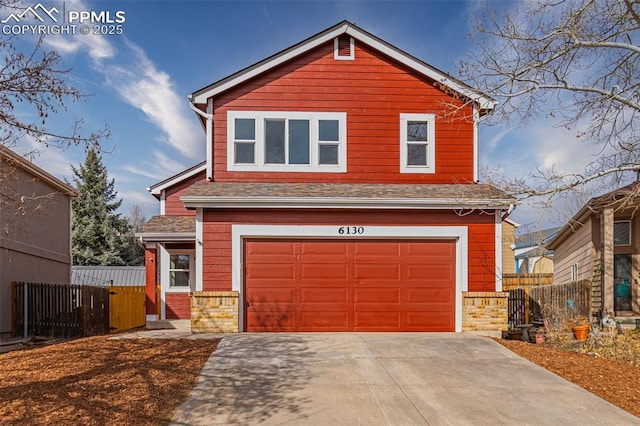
455, 193
170, 224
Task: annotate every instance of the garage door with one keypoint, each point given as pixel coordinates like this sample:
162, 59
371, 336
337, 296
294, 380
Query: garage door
337, 285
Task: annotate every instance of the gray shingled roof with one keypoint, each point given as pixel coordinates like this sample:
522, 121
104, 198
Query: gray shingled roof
473, 194
170, 224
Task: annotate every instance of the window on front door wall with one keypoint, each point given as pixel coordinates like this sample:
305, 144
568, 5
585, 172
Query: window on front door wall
286, 141
179, 270
417, 143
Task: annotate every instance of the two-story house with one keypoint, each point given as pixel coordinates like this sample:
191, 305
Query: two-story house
35, 229
339, 192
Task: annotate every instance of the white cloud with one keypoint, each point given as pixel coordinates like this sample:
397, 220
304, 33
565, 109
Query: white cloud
135, 78
96, 46
145, 87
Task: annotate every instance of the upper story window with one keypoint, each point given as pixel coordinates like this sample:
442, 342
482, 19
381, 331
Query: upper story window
343, 48
622, 233
286, 141
417, 143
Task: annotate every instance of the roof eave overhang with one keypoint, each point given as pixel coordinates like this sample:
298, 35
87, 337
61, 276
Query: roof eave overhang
192, 202
566, 230
485, 104
166, 236
157, 188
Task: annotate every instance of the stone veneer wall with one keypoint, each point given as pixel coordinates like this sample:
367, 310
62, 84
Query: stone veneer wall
214, 312
485, 313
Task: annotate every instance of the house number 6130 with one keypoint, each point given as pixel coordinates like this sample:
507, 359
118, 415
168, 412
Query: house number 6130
351, 230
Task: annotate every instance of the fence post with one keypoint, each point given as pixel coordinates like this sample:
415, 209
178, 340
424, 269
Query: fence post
25, 326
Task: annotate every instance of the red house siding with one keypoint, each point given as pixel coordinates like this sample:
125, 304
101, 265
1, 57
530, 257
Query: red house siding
151, 258
172, 205
178, 306
373, 90
217, 236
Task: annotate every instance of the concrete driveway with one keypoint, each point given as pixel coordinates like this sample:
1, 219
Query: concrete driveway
384, 379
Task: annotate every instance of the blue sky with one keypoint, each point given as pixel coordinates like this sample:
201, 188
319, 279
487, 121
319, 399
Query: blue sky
140, 79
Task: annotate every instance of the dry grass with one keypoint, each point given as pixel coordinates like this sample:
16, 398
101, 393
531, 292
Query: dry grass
97, 381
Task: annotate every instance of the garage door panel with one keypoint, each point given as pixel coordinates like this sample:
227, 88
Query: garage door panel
376, 295
267, 295
430, 295
324, 272
377, 271
368, 250
357, 285
271, 321
432, 321
431, 248
324, 321
274, 248
324, 295
428, 273
270, 272
324, 249
376, 321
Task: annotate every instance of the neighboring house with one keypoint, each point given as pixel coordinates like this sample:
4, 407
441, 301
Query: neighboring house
35, 228
338, 193
508, 243
128, 276
601, 243
531, 255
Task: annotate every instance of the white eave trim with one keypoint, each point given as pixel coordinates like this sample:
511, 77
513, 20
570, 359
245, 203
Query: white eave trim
340, 203
157, 190
166, 236
483, 101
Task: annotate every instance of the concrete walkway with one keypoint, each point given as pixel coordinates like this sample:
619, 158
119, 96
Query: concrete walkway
384, 379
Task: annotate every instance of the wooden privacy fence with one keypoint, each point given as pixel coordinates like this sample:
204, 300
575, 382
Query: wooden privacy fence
59, 310
511, 281
566, 301
126, 307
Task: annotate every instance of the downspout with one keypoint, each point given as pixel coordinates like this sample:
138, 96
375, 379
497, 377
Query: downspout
209, 126
476, 158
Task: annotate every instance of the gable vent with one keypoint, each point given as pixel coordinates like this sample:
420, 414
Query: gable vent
343, 47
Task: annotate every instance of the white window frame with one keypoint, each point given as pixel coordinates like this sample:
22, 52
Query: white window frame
166, 283
431, 143
573, 272
336, 50
314, 142
628, 243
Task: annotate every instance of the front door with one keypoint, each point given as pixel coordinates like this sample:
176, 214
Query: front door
622, 282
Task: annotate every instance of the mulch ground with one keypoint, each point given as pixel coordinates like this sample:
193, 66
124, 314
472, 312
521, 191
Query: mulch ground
605, 366
97, 381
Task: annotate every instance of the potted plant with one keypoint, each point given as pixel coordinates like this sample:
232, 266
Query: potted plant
581, 328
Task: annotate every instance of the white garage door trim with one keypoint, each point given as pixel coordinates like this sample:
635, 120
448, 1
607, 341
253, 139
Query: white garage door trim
459, 233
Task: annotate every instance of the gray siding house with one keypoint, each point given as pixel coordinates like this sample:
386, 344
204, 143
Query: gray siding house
601, 243
35, 228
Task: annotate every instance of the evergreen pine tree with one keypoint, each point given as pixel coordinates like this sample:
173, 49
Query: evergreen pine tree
100, 236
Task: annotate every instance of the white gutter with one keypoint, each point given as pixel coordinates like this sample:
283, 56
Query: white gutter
166, 236
209, 117
330, 203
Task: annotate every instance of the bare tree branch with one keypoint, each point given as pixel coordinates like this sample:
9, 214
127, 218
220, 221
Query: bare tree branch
575, 63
